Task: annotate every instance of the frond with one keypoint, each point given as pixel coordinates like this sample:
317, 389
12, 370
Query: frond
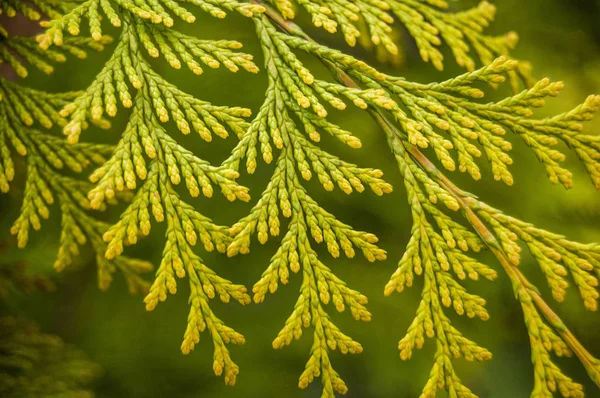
428, 22
50, 162
149, 161
127, 64
446, 116
161, 12
557, 258
45, 185
448, 106
437, 252
294, 94
22, 52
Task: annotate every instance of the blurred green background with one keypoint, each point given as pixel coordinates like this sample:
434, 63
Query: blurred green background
139, 351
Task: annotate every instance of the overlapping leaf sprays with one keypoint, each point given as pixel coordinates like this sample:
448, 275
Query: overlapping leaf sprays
22, 112
147, 153
428, 22
445, 117
35, 10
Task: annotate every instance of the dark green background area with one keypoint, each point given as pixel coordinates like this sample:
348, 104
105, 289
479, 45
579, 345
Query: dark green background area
139, 351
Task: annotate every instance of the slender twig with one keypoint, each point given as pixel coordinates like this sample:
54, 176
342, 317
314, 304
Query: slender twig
468, 203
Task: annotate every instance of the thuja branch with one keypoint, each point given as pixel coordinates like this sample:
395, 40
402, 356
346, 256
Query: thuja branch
148, 162
444, 116
469, 205
26, 116
525, 291
291, 118
548, 376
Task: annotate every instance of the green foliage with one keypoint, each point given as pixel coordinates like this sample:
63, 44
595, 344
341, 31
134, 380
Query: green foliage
49, 161
447, 120
34, 364
35, 9
423, 113
427, 21
14, 49
434, 255
151, 11
293, 91
147, 153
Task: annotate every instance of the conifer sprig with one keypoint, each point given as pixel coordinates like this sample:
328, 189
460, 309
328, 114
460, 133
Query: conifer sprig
20, 52
544, 337
450, 101
158, 199
294, 94
438, 253
150, 161
158, 12
22, 110
446, 117
434, 253
45, 154
546, 330
128, 64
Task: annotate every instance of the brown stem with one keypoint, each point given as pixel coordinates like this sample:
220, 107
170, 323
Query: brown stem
467, 202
